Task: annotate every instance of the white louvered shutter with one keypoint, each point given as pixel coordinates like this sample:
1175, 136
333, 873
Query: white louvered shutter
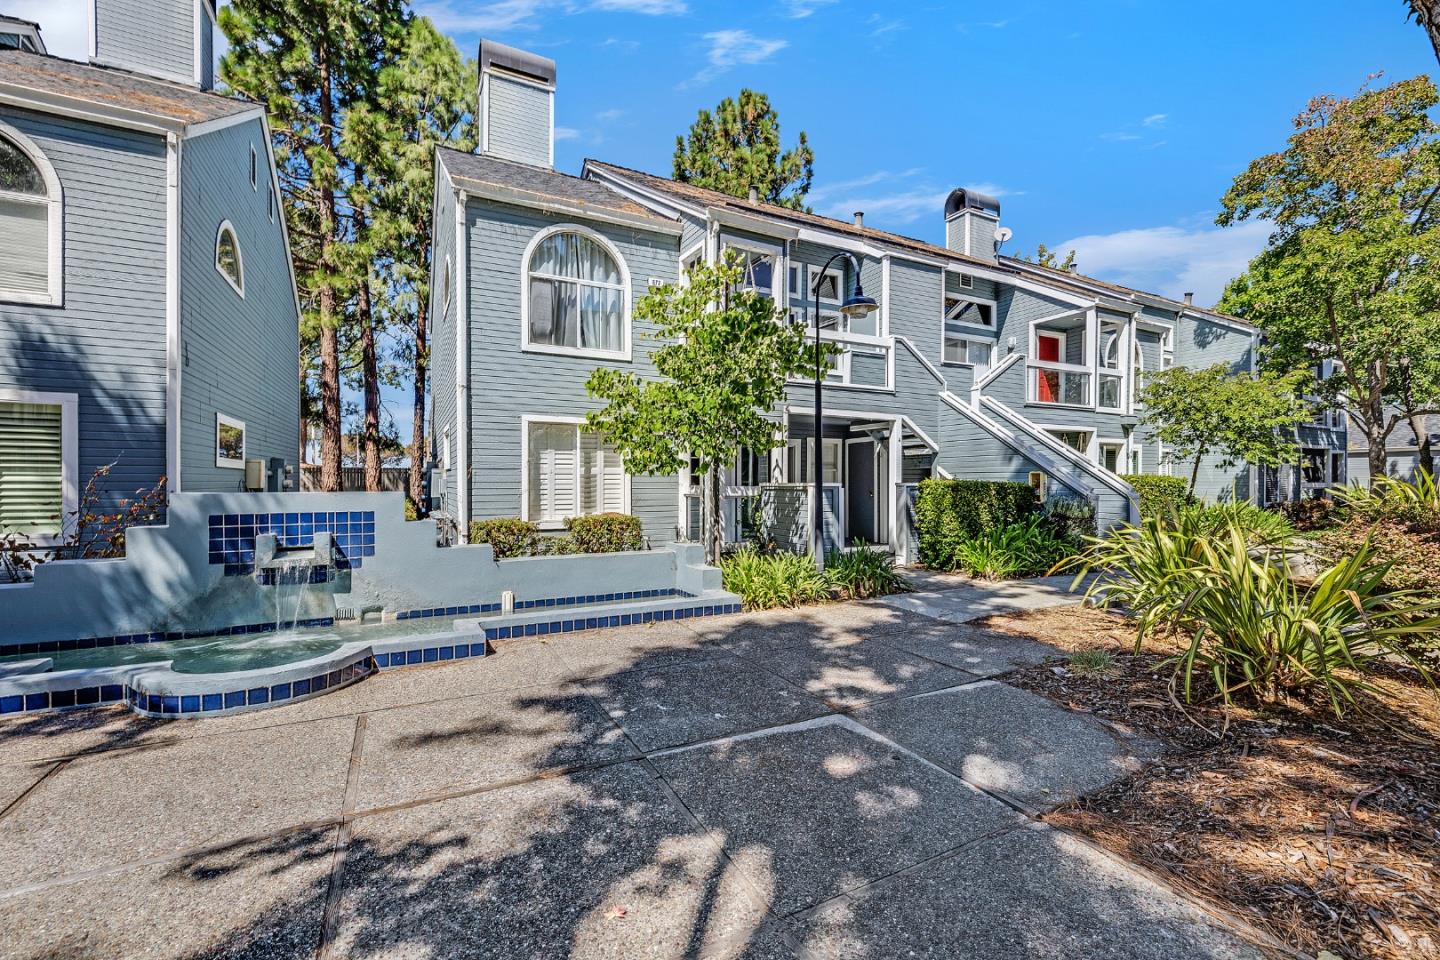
602, 476
31, 468
24, 246
552, 471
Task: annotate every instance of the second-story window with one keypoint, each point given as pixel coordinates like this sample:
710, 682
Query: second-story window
228, 259
29, 223
577, 295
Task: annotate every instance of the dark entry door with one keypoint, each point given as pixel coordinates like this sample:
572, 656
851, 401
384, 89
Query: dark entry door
860, 491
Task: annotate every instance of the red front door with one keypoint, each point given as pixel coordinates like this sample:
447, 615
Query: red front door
1047, 382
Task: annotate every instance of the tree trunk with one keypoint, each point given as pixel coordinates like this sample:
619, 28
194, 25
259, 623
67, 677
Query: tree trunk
1427, 14
330, 445
370, 364
417, 440
1195, 472
714, 522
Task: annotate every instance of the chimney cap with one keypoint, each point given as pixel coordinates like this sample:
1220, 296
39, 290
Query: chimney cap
1189, 298
515, 60
859, 218
966, 199
754, 194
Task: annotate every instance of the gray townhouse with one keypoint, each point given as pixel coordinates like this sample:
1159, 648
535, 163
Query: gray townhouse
148, 314
976, 365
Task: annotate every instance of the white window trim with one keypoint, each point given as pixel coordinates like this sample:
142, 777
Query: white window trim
812, 274
55, 200
69, 404
1121, 457
239, 258
778, 271
968, 298
987, 341
525, 422
254, 170
227, 463
624, 353
1092, 445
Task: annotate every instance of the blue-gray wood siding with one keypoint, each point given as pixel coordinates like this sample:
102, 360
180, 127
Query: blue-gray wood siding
517, 115
507, 383
156, 37
239, 355
106, 342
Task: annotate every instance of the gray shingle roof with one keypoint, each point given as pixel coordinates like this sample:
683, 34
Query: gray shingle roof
109, 86
542, 183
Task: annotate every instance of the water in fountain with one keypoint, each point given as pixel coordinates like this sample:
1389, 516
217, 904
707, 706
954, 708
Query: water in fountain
294, 573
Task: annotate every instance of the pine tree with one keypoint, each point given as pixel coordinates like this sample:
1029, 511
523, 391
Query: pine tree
738, 147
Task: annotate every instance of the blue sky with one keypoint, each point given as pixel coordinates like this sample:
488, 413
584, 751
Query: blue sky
1110, 126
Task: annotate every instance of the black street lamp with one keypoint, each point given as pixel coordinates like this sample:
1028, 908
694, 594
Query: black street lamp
856, 306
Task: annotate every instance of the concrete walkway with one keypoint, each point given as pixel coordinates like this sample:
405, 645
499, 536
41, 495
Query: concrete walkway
835, 782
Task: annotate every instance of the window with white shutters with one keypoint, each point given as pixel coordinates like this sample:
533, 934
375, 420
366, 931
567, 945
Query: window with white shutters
31, 468
571, 472
29, 223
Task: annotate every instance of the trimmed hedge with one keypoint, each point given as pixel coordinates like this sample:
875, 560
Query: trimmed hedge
606, 533
510, 536
951, 512
1159, 496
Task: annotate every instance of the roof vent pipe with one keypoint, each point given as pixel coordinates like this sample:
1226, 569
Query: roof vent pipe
859, 218
1189, 298
754, 194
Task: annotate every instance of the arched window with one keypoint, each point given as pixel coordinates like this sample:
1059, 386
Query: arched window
30, 232
228, 259
577, 294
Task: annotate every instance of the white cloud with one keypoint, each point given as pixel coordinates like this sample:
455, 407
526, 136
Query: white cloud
732, 48
610, 116
450, 17
1120, 136
1169, 260
800, 9
1155, 120
566, 133
64, 24
891, 198
653, 8
880, 26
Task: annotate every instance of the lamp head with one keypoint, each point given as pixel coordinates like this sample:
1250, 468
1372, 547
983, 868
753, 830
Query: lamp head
858, 305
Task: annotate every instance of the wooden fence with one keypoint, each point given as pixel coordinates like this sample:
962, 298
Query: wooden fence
392, 479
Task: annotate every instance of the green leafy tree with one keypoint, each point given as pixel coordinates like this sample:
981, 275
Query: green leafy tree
1426, 13
1046, 257
724, 357
738, 147
311, 62
1232, 417
425, 99
1350, 273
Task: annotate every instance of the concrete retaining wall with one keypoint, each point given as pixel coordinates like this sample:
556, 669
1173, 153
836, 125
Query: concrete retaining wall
170, 582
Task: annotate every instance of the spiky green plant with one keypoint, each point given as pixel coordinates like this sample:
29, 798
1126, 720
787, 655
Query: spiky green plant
765, 580
864, 572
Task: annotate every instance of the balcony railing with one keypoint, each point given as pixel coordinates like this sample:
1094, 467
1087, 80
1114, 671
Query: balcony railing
863, 361
1059, 383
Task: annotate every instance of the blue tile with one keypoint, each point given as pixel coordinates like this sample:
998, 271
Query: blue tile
258, 695
86, 696
302, 687
431, 654
12, 704
542, 629
334, 678
462, 650
447, 653
190, 703
62, 698
170, 704
235, 698
382, 659
319, 683
412, 656
280, 691
210, 701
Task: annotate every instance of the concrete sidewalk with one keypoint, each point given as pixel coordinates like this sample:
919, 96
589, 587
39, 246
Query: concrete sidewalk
836, 781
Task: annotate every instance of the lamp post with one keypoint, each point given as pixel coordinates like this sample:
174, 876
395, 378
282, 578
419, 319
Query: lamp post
856, 305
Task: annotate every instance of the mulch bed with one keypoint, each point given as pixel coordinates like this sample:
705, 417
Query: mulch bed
1324, 832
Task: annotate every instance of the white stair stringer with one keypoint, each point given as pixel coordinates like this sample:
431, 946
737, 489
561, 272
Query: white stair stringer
1099, 476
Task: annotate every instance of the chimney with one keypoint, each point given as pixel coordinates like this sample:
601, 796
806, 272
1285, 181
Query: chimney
859, 218
517, 105
754, 194
171, 41
971, 220
1189, 298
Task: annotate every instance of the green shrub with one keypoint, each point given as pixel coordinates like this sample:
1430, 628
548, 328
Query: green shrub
863, 573
510, 536
1159, 495
950, 512
412, 512
606, 533
556, 547
1415, 504
1259, 526
1070, 517
765, 580
1022, 549
1400, 520
1254, 629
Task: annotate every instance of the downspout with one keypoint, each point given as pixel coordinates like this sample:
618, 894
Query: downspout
462, 374
173, 346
